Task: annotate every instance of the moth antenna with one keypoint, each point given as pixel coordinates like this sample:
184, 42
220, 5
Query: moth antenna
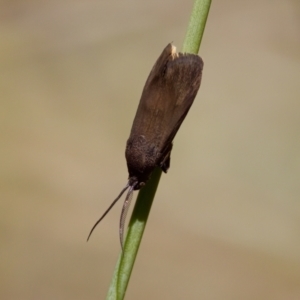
124, 212
109, 208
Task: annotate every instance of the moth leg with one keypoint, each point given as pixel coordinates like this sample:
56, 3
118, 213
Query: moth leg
165, 163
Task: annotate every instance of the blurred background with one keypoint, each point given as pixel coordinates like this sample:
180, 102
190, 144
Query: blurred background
225, 223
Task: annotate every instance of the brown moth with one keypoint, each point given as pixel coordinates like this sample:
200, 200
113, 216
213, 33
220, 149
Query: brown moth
169, 92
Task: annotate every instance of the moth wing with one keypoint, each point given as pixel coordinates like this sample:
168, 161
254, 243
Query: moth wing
168, 94
182, 81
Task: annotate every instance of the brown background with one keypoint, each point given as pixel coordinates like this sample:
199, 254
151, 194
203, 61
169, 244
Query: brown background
225, 223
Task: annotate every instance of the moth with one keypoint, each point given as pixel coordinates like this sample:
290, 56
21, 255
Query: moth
168, 94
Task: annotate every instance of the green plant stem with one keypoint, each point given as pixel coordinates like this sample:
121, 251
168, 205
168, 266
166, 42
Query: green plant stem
134, 235
196, 26
146, 195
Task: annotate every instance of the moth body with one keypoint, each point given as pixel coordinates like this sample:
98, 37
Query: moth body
168, 94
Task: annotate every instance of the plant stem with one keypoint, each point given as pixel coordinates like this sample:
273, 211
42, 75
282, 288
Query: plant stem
146, 195
134, 235
196, 26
